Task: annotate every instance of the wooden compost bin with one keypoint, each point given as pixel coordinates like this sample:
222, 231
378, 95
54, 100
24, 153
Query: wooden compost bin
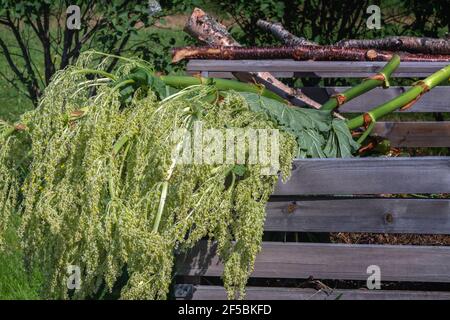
349, 198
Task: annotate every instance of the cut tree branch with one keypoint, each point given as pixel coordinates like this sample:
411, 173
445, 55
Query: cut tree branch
394, 43
283, 35
205, 29
317, 53
410, 44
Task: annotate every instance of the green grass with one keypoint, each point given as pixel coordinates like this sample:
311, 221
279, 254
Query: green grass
15, 282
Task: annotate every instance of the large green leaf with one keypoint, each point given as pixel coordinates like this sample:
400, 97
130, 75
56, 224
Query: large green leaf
318, 134
293, 118
346, 146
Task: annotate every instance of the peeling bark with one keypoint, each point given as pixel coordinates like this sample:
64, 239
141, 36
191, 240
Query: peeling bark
317, 53
409, 44
283, 35
205, 29
394, 43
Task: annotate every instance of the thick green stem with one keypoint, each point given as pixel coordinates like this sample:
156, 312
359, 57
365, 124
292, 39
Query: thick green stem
120, 143
186, 81
380, 79
165, 185
123, 83
408, 97
366, 133
99, 72
221, 84
162, 202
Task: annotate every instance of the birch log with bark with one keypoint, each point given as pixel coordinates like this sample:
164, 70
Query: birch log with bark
207, 30
317, 53
392, 43
409, 44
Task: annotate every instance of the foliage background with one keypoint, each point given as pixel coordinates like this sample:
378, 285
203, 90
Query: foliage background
33, 48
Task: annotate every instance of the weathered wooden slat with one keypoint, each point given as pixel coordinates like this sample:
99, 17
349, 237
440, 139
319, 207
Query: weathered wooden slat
422, 216
434, 101
323, 69
229, 75
203, 292
415, 134
368, 176
330, 261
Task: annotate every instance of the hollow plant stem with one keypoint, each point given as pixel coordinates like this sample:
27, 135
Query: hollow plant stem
380, 79
366, 133
98, 72
162, 202
186, 81
405, 99
221, 84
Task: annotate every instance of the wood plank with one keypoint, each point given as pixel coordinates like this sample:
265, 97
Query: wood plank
323, 69
203, 292
422, 216
434, 101
281, 75
229, 75
415, 134
368, 176
330, 261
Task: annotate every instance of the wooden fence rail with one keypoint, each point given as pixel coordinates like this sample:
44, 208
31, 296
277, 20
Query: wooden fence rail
199, 292
368, 176
322, 69
434, 101
378, 215
330, 261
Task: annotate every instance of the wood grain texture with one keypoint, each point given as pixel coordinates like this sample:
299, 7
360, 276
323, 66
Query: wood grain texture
330, 261
323, 69
204, 292
434, 101
368, 176
415, 134
230, 75
422, 216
